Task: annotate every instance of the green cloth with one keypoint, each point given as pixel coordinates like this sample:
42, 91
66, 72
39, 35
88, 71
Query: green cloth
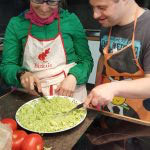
75, 43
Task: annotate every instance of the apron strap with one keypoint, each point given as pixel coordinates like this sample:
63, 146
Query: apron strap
30, 27
108, 43
59, 23
51, 90
133, 38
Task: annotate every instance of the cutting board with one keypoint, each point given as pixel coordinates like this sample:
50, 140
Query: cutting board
133, 110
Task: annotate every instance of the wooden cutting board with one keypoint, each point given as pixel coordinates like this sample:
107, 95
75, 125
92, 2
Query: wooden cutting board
133, 110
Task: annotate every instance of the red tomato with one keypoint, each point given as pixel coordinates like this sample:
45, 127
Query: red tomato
11, 122
17, 139
32, 142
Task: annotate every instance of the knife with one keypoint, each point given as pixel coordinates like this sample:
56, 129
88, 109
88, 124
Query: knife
66, 113
76, 107
40, 93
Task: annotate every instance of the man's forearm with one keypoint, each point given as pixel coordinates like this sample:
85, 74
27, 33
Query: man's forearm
139, 88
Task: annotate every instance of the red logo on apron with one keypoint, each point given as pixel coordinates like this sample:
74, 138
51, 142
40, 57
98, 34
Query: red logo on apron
43, 55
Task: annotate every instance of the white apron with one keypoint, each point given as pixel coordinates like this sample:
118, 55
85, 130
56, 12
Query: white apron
47, 60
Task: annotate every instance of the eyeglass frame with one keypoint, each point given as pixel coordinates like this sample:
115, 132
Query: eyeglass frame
49, 2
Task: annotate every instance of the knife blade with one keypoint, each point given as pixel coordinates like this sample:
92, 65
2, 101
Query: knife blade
40, 93
73, 109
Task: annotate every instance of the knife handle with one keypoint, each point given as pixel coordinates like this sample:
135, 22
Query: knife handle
36, 89
79, 106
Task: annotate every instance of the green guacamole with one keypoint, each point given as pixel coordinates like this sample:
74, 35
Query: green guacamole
48, 116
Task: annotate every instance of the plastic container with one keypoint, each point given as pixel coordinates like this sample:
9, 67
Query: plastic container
5, 137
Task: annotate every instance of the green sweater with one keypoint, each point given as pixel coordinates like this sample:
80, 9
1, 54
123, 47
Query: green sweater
75, 43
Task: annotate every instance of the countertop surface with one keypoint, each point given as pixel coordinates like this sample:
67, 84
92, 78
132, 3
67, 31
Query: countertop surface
58, 141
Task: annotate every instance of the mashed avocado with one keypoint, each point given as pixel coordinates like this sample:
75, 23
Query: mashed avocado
47, 116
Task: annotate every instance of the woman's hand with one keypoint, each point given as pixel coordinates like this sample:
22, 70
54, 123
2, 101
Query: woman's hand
28, 80
67, 86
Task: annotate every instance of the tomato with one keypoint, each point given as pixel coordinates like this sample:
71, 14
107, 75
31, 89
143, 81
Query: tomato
11, 122
32, 142
17, 139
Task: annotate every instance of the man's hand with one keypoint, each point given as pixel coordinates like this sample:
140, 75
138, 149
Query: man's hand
28, 80
67, 86
102, 95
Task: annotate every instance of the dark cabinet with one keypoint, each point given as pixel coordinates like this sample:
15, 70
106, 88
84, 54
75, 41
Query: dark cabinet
144, 3
10, 8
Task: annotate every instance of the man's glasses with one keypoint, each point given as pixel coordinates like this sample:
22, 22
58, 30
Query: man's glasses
49, 2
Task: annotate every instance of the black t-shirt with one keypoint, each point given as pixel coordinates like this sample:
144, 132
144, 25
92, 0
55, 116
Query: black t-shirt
122, 36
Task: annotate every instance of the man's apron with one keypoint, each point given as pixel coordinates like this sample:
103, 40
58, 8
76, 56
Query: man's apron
124, 65
47, 60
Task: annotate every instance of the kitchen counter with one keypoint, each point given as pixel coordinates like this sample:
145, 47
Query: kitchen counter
58, 141
93, 35
93, 38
